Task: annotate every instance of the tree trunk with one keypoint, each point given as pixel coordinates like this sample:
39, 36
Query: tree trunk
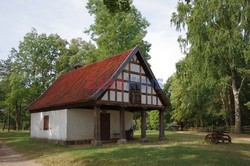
227, 124
236, 94
182, 126
4, 124
8, 119
13, 123
230, 106
225, 110
237, 112
18, 117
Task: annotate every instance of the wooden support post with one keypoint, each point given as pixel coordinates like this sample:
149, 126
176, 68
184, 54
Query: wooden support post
122, 139
161, 125
122, 123
143, 126
97, 132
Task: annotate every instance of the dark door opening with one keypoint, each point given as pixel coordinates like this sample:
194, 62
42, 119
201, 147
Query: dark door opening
105, 126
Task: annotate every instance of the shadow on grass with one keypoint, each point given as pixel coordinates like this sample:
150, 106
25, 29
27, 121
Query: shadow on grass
173, 155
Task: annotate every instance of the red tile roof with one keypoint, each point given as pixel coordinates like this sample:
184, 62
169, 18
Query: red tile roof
72, 88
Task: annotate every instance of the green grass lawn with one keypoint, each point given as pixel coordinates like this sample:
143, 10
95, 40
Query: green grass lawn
180, 148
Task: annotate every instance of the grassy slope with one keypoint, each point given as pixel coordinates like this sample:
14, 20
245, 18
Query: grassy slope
178, 149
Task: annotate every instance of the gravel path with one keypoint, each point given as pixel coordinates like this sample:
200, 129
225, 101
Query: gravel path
9, 157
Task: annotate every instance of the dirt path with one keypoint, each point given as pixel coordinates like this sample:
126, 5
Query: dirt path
9, 157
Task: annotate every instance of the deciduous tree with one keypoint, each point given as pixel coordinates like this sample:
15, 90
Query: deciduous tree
218, 33
116, 32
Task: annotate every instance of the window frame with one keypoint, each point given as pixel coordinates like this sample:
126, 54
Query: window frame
46, 122
135, 93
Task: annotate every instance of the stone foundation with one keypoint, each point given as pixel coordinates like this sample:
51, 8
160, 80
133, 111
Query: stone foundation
61, 142
143, 140
122, 141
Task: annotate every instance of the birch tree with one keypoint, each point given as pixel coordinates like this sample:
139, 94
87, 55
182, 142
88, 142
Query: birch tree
218, 32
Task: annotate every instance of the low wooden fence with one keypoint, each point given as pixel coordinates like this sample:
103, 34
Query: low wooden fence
244, 129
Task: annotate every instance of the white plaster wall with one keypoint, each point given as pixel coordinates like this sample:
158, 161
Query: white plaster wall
128, 120
105, 97
126, 86
115, 121
142, 70
112, 95
149, 99
135, 68
57, 125
154, 100
125, 76
135, 77
159, 102
80, 124
143, 99
74, 124
120, 76
119, 96
125, 97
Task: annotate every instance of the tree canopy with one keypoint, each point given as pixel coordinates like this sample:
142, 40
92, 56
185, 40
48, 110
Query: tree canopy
116, 32
31, 69
114, 6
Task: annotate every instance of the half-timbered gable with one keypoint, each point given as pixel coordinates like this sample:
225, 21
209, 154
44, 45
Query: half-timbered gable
133, 85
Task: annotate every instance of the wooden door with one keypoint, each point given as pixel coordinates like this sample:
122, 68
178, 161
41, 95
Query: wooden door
105, 126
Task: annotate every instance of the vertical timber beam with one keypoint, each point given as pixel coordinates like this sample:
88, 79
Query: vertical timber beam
122, 139
97, 129
143, 126
161, 125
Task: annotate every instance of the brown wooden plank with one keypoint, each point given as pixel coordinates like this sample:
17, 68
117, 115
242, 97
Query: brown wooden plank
97, 124
122, 123
122, 87
104, 126
161, 124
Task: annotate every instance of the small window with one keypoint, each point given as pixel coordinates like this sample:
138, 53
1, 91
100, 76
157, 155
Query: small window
135, 93
46, 122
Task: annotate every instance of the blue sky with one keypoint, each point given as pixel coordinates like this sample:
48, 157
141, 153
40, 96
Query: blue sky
69, 18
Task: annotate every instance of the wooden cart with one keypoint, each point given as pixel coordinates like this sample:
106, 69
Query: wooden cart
218, 137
